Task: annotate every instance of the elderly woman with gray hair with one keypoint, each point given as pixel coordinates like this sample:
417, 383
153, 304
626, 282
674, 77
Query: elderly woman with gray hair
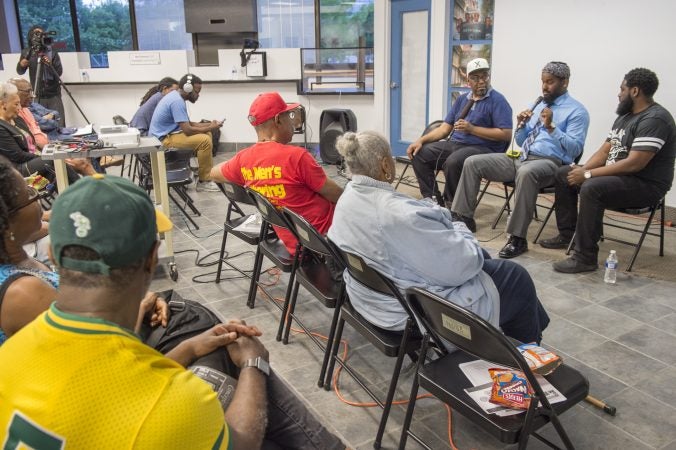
18, 144
416, 243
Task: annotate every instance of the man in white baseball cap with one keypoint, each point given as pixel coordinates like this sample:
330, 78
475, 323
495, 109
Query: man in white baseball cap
479, 122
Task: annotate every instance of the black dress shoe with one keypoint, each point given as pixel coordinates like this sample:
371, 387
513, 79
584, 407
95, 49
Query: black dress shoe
471, 224
514, 247
557, 242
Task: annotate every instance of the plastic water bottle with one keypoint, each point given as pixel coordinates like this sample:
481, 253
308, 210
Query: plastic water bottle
611, 268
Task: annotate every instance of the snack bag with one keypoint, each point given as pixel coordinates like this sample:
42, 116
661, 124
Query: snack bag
510, 389
540, 360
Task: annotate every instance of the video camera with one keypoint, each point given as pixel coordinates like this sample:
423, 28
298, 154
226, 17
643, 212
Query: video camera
40, 40
252, 44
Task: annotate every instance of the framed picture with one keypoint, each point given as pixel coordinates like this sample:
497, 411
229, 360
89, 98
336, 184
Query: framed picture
257, 65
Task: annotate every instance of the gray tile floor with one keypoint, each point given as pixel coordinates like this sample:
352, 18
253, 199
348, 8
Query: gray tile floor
622, 337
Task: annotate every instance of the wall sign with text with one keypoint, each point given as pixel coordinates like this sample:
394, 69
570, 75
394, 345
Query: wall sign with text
257, 65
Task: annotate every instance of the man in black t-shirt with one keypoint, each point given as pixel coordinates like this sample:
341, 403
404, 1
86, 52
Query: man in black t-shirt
633, 168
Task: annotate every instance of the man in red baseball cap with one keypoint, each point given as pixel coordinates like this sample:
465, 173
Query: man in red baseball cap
287, 175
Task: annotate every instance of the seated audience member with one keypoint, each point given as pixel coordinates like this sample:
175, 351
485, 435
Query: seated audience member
416, 243
18, 145
144, 115
172, 126
633, 168
105, 268
287, 175
47, 119
26, 97
485, 128
27, 286
553, 135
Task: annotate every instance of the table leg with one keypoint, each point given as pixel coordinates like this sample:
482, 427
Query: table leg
61, 174
161, 192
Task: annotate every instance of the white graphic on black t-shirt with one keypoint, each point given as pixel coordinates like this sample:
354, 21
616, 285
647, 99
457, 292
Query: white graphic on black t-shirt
618, 151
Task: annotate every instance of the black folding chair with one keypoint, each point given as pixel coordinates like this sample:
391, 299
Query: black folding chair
509, 188
390, 343
408, 162
650, 210
236, 195
271, 247
317, 277
478, 339
133, 162
179, 176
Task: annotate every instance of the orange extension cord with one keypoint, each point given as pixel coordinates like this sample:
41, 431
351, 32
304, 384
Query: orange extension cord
275, 275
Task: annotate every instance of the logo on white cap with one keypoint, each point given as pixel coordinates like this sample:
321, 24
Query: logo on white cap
477, 64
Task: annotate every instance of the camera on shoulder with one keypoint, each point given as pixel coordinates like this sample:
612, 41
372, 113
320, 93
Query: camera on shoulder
40, 40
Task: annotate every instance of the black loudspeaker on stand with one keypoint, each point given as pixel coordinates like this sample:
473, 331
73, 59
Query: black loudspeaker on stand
332, 124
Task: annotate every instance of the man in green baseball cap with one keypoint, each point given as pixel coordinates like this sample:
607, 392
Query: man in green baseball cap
81, 373
109, 216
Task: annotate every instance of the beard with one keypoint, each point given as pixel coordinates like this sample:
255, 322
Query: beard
480, 92
550, 97
625, 106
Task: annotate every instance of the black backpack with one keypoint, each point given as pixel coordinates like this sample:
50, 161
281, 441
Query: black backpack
188, 318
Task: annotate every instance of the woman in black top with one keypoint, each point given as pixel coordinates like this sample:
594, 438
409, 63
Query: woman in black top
18, 145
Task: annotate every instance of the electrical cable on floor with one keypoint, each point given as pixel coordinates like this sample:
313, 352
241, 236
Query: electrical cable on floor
199, 262
336, 376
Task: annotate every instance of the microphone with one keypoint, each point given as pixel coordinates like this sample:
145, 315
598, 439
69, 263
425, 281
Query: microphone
522, 123
466, 109
463, 114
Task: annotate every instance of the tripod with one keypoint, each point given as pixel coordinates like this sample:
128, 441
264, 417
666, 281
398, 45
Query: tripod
40, 54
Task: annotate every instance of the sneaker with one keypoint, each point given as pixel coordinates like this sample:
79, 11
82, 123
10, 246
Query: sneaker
572, 265
471, 224
557, 242
206, 186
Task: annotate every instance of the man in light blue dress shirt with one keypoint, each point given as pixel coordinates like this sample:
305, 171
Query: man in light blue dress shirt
552, 135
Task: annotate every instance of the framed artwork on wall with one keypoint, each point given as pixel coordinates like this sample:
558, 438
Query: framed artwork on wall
471, 37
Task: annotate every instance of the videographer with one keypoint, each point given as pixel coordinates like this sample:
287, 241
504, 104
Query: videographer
46, 84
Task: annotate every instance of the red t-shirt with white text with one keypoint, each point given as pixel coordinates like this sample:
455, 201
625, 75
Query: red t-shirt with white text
289, 177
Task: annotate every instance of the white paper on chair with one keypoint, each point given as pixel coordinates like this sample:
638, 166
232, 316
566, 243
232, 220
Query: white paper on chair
481, 394
477, 373
251, 225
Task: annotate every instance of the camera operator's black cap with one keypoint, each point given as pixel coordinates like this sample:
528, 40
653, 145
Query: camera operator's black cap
32, 29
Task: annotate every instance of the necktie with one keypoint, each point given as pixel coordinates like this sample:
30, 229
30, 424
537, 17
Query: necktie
529, 140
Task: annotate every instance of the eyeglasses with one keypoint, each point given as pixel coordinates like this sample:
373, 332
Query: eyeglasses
291, 114
480, 77
29, 91
33, 196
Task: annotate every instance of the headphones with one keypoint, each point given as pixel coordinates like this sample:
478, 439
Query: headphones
188, 87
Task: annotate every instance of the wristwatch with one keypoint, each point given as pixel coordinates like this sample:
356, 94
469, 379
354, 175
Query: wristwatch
259, 363
587, 174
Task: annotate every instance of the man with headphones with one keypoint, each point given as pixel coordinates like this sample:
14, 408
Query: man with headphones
172, 126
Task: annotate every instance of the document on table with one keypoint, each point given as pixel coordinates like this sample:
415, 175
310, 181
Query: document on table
477, 373
84, 131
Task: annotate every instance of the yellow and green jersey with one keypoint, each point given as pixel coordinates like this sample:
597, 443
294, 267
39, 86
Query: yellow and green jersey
72, 382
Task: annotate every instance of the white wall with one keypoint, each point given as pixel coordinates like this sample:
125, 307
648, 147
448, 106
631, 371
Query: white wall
601, 40
217, 100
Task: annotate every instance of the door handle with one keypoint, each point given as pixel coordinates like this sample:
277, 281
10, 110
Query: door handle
394, 85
